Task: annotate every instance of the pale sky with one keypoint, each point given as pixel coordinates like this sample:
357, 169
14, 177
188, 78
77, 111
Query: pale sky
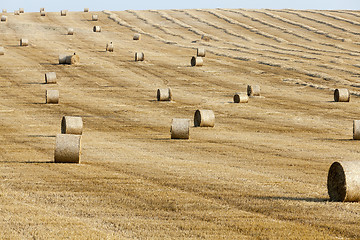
98, 5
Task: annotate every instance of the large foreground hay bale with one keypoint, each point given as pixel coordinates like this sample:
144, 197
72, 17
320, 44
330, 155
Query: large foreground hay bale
68, 148
204, 118
21, 10
109, 47
253, 90
71, 125
52, 96
200, 52
94, 17
70, 31
344, 181
24, 42
86, 9
341, 95
241, 98
50, 77
196, 61
164, 94
139, 56
96, 29
3, 18
180, 128
356, 129
2, 51
69, 59
63, 12
136, 36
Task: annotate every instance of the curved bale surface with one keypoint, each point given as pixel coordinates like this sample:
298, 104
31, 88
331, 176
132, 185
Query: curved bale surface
180, 128
3, 18
67, 148
109, 47
71, 125
69, 59
164, 94
24, 42
52, 96
136, 36
343, 181
341, 95
253, 90
63, 12
204, 118
197, 61
139, 56
2, 51
94, 17
96, 29
356, 129
241, 98
50, 77
70, 31
21, 10
86, 9
201, 52
42, 13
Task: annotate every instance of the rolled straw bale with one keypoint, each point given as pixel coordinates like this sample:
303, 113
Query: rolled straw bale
86, 9
253, 90
180, 128
204, 118
2, 51
71, 125
68, 148
73, 59
52, 96
136, 36
95, 17
16, 12
109, 47
343, 181
97, 29
63, 12
50, 77
196, 61
164, 94
241, 98
139, 56
3, 18
201, 52
342, 95
21, 10
62, 59
70, 31
24, 42
356, 129
4, 10
42, 13
42, 9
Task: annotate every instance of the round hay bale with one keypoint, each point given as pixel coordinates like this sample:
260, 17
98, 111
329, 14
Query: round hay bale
200, 52
42, 9
109, 47
356, 129
241, 98
4, 10
342, 95
70, 31
139, 56
2, 51
63, 12
50, 77
67, 148
343, 181
97, 29
253, 90
62, 58
180, 128
3, 18
164, 94
21, 10
42, 13
86, 9
204, 118
16, 12
94, 17
24, 42
72, 59
71, 125
136, 36
196, 61
52, 96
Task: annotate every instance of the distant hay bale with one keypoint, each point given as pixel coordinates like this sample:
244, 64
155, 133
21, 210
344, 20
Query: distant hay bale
139, 56
136, 36
109, 47
42, 13
24, 42
201, 52
69, 59
241, 98
94, 17
16, 12
356, 129
97, 29
67, 148
63, 12
21, 10
164, 94
204, 118
62, 58
196, 61
42, 9
205, 38
2, 51
180, 128
253, 90
50, 77
71, 125
3, 18
70, 31
52, 96
343, 181
4, 10
86, 9
342, 95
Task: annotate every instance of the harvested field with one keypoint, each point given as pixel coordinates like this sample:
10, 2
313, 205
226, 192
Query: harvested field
261, 172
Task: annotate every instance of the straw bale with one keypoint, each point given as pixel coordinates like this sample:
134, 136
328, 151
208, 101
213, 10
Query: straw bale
180, 128
253, 90
50, 77
52, 96
164, 94
71, 125
204, 118
341, 95
67, 148
139, 56
196, 61
241, 98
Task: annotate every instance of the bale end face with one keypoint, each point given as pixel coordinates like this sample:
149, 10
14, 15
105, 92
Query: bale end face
341, 95
67, 148
71, 125
180, 128
109, 47
241, 98
196, 61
